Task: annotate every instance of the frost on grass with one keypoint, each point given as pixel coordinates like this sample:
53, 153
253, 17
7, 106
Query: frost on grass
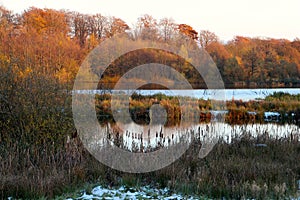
145, 192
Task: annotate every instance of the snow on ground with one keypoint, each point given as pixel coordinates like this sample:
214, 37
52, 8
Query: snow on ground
145, 192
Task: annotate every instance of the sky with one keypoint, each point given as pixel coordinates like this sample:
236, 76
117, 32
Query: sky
227, 18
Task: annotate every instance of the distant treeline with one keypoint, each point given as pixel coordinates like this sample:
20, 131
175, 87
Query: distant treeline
41, 51
54, 43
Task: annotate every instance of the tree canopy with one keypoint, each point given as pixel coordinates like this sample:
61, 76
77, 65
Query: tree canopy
54, 43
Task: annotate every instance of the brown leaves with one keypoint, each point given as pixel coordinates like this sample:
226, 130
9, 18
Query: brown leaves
188, 31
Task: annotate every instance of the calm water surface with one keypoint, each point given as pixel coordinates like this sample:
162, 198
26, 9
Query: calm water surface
143, 138
243, 94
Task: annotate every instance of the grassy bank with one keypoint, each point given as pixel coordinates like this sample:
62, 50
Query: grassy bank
42, 156
240, 169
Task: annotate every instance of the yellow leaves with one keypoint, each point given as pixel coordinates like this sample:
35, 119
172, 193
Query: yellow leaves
239, 60
106, 104
25, 73
46, 20
39, 22
4, 59
63, 75
28, 70
92, 41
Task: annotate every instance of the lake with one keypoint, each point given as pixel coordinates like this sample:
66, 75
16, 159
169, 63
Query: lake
237, 94
145, 138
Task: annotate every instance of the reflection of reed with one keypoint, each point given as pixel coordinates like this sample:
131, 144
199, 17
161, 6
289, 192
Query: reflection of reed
161, 137
149, 139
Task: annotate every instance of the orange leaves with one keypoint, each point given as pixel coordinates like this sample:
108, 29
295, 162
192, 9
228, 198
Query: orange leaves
39, 43
218, 49
117, 25
45, 20
147, 21
54, 43
188, 31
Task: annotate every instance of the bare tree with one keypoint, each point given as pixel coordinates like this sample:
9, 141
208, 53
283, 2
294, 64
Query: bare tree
80, 27
167, 28
147, 27
98, 25
207, 37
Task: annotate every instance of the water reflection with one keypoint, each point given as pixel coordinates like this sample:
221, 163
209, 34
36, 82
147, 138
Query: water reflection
145, 138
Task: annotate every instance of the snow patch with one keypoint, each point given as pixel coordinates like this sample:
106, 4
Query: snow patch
145, 192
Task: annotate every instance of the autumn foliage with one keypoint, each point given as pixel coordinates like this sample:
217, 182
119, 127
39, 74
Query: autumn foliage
41, 51
55, 43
